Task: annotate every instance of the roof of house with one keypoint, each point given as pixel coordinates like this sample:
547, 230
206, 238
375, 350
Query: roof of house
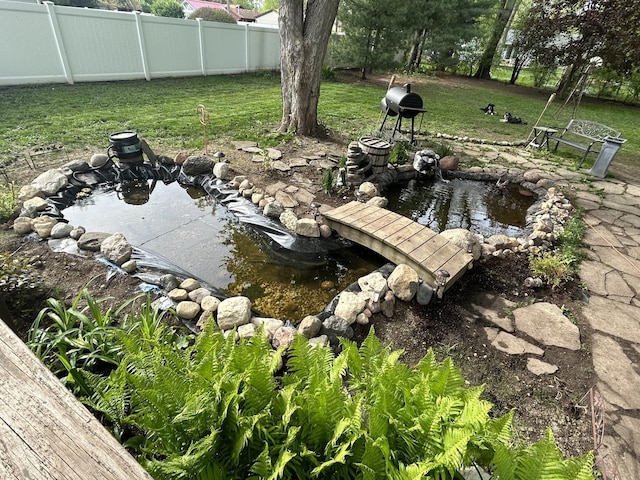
240, 14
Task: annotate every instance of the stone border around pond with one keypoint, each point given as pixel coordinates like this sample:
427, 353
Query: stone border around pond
372, 293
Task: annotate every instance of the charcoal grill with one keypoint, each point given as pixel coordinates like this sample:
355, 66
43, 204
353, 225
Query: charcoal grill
402, 103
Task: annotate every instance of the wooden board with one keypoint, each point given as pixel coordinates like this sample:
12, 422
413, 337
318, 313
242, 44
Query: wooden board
45, 433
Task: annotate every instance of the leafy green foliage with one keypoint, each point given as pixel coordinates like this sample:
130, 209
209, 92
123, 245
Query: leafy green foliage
213, 15
398, 154
15, 273
327, 181
8, 197
217, 409
167, 8
444, 150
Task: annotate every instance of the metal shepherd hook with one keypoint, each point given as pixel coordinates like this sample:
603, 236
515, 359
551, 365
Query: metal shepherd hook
204, 120
552, 97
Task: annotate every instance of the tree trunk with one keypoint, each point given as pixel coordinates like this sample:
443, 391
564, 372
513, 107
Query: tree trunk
502, 20
415, 55
304, 37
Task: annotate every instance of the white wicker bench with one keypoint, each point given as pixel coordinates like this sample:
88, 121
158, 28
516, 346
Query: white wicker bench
584, 135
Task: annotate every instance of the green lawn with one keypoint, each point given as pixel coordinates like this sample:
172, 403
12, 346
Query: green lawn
82, 116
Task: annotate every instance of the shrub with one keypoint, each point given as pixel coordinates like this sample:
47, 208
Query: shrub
167, 8
327, 181
7, 201
213, 15
328, 74
444, 150
398, 155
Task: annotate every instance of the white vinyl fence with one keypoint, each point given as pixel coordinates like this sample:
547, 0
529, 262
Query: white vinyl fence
46, 43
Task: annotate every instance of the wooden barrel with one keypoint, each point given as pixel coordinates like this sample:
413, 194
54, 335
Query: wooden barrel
378, 151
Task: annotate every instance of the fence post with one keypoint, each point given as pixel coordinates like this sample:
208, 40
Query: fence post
203, 67
246, 47
143, 50
62, 52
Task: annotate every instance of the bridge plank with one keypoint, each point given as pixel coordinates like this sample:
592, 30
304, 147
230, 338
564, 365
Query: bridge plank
391, 228
416, 241
403, 234
382, 221
344, 210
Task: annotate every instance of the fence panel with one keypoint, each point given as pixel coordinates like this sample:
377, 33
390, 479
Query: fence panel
52, 44
28, 51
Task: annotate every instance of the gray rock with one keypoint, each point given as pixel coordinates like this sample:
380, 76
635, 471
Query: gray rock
247, 330
368, 190
76, 166
424, 294
168, 282
307, 227
464, 239
286, 200
538, 367
77, 232
546, 323
325, 231
403, 282
22, 225
335, 326
98, 160
280, 166
34, 205
187, 310
499, 241
190, 284
130, 266
178, 294
269, 325
92, 240
289, 219
50, 182
28, 191
616, 371
374, 286
493, 309
380, 202
507, 343
210, 303
221, 170
449, 162
349, 306
274, 154
243, 144
116, 248
273, 209
205, 317
233, 312
321, 341
198, 165
283, 337
388, 304
43, 225
310, 326
198, 294
61, 230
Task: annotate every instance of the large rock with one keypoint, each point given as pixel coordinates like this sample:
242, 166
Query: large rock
374, 286
22, 225
546, 323
335, 326
349, 306
210, 303
34, 205
269, 325
450, 162
273, 209
464, 239
289, 219
310, 326
28, 191
221, 170
98, 160
424, 294
43, 225
514, 346
61, 230
91, 241
283, 337
50, 182
368, 190
187, 310
116, 248
403, 282
198, 294
233, 312
307, 227
198, 165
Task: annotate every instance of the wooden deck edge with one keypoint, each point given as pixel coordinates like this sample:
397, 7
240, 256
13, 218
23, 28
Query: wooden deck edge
45, 432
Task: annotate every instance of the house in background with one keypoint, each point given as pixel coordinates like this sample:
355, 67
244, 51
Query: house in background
268, 18
240, 14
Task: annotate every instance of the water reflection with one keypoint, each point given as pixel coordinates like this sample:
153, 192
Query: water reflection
478, 206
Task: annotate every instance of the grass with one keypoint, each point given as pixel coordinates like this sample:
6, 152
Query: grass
163, 111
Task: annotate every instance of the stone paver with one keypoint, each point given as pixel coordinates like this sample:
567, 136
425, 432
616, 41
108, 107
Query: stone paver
538, 367
513, 345
617, 371
493, 309
546, 323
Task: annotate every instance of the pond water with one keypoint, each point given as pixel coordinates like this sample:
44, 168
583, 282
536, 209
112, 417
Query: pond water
481, 207
187, 231
184, 230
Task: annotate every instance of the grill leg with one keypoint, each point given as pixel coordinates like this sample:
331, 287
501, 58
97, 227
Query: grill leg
384, 120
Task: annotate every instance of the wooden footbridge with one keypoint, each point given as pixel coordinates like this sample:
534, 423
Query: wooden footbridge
400, 240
